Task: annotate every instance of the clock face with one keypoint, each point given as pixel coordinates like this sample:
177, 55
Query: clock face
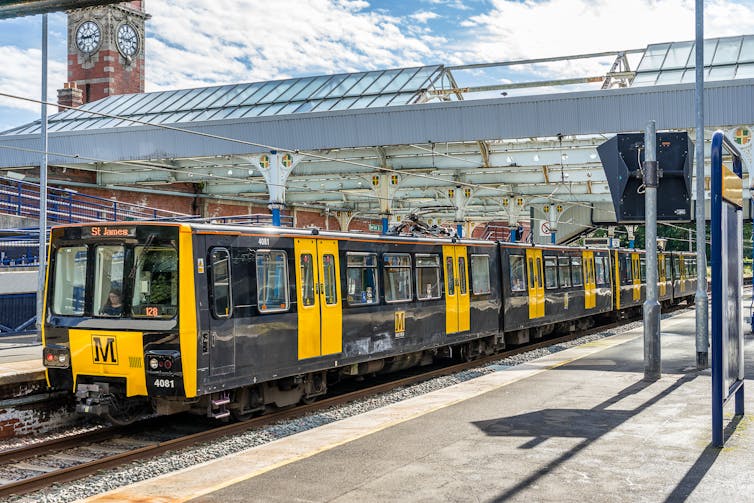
88, 37
128, 40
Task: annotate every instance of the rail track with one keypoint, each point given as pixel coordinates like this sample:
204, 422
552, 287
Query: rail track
71, 458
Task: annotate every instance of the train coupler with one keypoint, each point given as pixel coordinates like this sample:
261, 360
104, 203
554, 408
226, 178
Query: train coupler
93, 398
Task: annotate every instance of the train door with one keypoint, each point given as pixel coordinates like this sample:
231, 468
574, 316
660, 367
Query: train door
320, 327
536, 286
457, 299
222, 340
590, 286
636, 276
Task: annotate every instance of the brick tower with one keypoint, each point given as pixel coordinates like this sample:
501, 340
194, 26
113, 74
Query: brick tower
105, 52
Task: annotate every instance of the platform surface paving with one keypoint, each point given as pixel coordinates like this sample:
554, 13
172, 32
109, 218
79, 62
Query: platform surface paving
577, 425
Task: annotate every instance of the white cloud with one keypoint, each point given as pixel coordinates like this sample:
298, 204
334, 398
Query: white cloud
21, 75
196, 42
528, 29
424, 16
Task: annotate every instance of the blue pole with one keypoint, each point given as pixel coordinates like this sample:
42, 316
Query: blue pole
276, 217
631, 244
459, 230
717, 319
384, 225
553, 239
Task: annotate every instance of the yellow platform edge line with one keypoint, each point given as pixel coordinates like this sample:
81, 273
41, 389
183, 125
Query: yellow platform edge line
180, 490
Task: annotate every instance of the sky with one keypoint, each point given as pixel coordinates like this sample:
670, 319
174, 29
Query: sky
194, 43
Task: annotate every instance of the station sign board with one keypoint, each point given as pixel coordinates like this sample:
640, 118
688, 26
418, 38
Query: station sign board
727, 280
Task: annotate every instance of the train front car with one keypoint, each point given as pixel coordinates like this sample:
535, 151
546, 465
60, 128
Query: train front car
115, 316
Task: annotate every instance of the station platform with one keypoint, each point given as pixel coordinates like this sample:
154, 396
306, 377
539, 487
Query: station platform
20, 360
577, 425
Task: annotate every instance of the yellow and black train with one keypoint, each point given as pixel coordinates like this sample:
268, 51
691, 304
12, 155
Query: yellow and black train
160, 318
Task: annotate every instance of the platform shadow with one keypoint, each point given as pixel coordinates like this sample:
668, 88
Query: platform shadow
589, 424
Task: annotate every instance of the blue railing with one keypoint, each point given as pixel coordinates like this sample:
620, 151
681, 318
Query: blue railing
68, 206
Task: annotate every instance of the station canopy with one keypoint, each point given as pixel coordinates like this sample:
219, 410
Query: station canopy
447, 142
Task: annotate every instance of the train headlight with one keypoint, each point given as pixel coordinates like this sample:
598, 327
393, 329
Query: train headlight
56, 357
153, 363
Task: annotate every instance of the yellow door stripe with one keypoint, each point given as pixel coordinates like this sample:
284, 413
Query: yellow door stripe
188, 330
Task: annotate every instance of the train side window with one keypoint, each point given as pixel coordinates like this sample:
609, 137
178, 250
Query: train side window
272, 281
576, 271
397, 277
70, 281
462, 283
307, 279
155, 272
219, 260
428, 277
564, 272
518, 273
330, 283
108, 280
667, 268
539, 272
643, 268
531, 274
600, 270
450, 275
628, 276
361, 278
551, 273
480, 274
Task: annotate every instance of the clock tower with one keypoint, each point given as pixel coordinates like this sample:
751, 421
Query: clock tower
105, 52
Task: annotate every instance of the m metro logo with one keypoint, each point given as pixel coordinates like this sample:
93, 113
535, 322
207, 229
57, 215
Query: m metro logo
104, 350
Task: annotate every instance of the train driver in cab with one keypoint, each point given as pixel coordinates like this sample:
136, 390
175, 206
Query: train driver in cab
114, 304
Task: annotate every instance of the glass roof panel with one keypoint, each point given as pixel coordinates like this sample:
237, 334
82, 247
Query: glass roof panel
181, 102
323, 105
745, 71
645, 79
289, 108
210, 100
653, 57
722, 72
402, 99
678, 55
275, 93
243, 94
346, 103
382, 100
400, 80
198, 101
259, 94
159, 99
294, 89
233, 92
341, 89
727, 51
670, 77
107, 106
689, 76
360, 87
709, 52
256, 110
163, 105
134, 105
362, 102
312, 86
328, 86
747, 50
272, 109
382, 81
421, 78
